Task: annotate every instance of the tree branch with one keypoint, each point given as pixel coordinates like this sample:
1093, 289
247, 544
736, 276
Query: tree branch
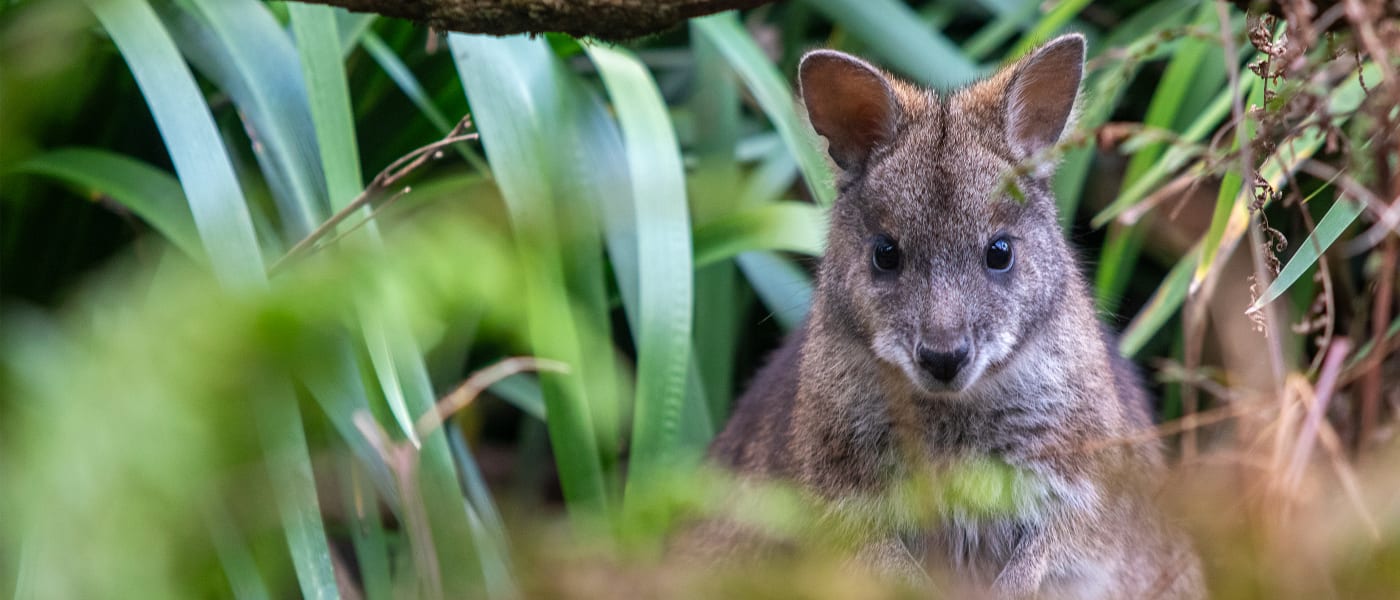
604, 19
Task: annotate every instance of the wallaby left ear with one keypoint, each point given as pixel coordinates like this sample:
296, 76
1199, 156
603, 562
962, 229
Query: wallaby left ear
1040, 98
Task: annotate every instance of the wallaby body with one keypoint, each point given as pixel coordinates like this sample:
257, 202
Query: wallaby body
951, 324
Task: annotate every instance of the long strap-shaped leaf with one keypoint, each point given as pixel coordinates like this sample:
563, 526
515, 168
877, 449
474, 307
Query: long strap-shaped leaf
512, 84
396, 355
664, 260
1195, 70
150, 193
775, 96
1336, 221
895, 33
239, 45
1230, 225
225, 227
790, 226
1172, 293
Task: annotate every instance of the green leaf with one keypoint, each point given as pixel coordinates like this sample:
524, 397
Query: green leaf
1233, 192
216, 200
395, 355
1340, 216
1226, 230
234, 555
409, 85
1049, 24
664, 261
221, 216
328, 96
1160, 307
1194, 74
150, 193
782, 286
366, 533
1175, 156
264, 81
789, 226
522, 391
994, 34
774, 95
714, 191
895, 34
514, 87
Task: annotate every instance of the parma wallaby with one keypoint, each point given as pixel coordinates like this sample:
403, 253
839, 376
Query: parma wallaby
951, 324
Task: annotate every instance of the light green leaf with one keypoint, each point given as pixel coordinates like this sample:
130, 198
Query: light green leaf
774, 95
1160, 307
513, 85
150, 193
264, 81
895, 34
789, 226
664, 261
782, 286
1342, 214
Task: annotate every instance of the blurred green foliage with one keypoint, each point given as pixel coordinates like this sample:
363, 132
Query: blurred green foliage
179, 418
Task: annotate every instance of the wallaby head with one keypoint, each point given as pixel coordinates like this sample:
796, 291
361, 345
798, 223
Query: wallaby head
944, 253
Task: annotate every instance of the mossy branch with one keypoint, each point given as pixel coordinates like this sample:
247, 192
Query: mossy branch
604, 19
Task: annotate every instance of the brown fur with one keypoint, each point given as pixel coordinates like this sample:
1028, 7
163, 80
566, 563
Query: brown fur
845, 411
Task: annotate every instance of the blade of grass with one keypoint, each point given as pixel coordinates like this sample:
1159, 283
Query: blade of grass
1329, 230
664, 264
263, 80
1195, 69
1173, 158
1230, 225
1340, 216
522, 391
487, 528
1049, 24
894, 33
366, 532
789, 226
1102, 91
512, 84
150, 193
714, 187
389, 61
1160, 307
396, 357
216, 203
1232, 192
994, 34
226, 229
782, 286
234, 555
774, 95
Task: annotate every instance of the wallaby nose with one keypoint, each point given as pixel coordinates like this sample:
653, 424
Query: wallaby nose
943, 366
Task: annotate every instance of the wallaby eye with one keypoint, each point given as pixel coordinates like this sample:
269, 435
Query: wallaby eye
999, 256
885, 256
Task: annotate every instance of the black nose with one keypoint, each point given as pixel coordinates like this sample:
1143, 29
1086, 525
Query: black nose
943, 366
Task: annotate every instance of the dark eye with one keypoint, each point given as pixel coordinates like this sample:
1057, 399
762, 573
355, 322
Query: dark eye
999, 256
885, 255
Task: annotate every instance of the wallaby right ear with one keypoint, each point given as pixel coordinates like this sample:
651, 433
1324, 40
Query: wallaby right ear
850, 103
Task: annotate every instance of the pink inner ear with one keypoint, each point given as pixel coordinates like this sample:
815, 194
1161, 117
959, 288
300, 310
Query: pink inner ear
849, 103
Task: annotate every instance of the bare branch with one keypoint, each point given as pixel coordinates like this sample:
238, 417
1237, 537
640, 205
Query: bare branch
603, 19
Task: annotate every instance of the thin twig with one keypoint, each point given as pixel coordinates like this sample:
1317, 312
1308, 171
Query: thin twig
385, 180
477, 383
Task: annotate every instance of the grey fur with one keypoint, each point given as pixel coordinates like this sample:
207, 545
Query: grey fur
844, 409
